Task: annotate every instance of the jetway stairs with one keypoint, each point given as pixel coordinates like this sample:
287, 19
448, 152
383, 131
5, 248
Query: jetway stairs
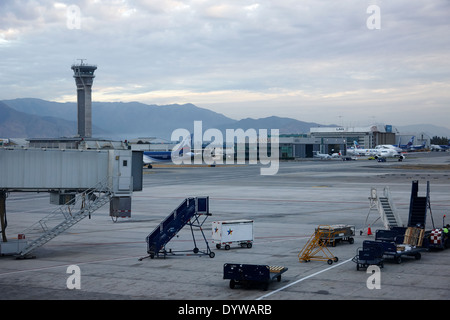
193, 212
83, 205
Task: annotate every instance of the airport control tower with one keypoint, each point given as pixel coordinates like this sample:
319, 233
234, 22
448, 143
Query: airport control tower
84, 78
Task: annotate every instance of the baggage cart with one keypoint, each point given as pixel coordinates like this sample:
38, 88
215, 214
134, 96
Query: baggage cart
370, 254
401, 241
247, 274
375, 252
396, 252
338, 233
226, 233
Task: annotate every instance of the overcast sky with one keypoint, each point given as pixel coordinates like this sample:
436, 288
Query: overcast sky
325, 61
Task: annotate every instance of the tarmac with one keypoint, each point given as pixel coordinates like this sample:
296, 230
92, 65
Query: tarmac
286, 208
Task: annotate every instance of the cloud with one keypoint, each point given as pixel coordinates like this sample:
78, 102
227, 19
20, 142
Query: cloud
311, 60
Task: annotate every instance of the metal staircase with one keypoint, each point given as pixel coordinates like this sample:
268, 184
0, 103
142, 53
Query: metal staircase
387, 213
385, 208
318, 243
83, 205
418, 206
187, 213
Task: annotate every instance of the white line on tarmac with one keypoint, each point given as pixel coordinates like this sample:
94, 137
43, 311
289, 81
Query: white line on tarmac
302, 279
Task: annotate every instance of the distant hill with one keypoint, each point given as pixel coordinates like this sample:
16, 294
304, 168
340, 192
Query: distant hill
18, 124
119, 120
36, 118
429, 129
285, 125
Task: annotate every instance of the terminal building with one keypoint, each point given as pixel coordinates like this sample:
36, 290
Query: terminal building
366, 137
333, 140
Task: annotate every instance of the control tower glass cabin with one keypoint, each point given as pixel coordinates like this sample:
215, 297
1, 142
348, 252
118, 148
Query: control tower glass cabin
84, 78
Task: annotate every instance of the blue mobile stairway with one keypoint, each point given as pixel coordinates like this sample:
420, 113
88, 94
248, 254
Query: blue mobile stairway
192, 212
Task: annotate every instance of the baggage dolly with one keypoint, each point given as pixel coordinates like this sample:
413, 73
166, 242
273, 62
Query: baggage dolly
338, 233
373, 253
400, 242
247, 274
396, 253
370, 254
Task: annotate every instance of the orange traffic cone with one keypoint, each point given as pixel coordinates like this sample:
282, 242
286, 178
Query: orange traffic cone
369, 231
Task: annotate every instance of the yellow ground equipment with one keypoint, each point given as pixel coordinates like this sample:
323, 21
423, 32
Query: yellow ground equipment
317, 244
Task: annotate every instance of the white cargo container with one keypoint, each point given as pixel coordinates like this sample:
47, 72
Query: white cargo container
225, 233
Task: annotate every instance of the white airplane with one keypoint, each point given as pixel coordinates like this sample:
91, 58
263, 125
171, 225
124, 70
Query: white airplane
384, 153
388, 146
437, 147
356, 150
317, 154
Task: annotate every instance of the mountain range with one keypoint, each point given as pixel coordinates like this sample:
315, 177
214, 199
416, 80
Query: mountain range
29, 117
36, 118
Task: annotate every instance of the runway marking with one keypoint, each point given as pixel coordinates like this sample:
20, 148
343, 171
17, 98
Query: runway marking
302, 279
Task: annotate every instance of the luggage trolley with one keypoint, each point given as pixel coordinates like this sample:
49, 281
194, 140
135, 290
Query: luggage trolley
247, 274
400, 242
394, 243
370, 254
338, 233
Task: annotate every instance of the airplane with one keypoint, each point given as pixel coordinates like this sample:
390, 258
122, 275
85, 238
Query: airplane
183, 152
437, 147
317, 154
384, 153
411, 147
405, 147
388, 146
418, 147
4, 141
356, 150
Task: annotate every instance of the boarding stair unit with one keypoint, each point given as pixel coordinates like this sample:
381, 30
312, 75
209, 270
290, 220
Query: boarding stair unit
193, 212
386, 209
419, 206
82, 205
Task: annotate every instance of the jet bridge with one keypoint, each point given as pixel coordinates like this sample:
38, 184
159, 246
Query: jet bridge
81, 179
